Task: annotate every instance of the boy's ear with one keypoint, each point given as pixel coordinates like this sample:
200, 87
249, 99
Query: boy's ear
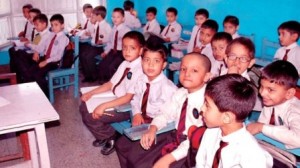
207, 77
252, 62
228, 117
290, 93
165, 65
294, 36
141, 51
237, 27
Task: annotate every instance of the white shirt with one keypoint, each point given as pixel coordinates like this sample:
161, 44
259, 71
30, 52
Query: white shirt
89, 24
192, 39
127, 85
153, 27
104, 31
242, 150
131, 21
171, 111
207, 50
174, 31
122, 30
46, 36
217, 67
235, 35
58, 48
293, 55
161, 90
30, 27
286, 129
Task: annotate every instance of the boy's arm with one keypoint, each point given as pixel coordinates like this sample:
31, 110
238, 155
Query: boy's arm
182, 150
164, 161
109, 43
103, 88
176, 35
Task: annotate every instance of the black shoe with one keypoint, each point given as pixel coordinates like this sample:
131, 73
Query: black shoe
109, 147
99, 143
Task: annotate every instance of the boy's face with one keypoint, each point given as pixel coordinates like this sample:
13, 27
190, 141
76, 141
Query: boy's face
93, 18
230, 28
206, 34
56, 26
39, 26
193, 74
219, 48
200, 19
153, 64
26, 13
239, 58
286, 38
273, 94
131, 49
150, 16
211, 114
117, 18
31, 16
171, 17
88, 12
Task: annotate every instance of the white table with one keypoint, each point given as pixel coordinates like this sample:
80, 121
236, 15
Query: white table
28, 110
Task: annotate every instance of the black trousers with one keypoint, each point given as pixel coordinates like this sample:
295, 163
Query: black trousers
12, 57
109, 65
101, 128
87, 54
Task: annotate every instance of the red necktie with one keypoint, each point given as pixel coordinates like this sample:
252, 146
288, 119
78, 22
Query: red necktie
217, 157
32, 34
116, 41
121, 79
181, 124
272, 119
25, 29
285, 57
97, 35
201, 49
148, 26
167, 30
85, 25
195, 40
147, 119
48, 53
220, 69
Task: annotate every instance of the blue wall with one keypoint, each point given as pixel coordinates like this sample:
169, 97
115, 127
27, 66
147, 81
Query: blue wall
261, 17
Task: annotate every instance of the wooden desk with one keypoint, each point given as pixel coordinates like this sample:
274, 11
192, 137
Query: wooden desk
28, 110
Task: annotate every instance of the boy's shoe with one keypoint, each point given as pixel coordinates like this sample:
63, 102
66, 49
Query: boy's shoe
109, 147
99, 143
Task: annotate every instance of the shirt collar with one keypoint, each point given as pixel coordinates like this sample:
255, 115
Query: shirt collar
134, 62
157, 79
283, 106
44, 32
246, 75
60, 33
119, 27
291, 46
234, 136
172, 23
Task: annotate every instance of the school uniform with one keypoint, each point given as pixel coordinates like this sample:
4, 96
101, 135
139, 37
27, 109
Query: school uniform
28, 28
152, 27
131, 21
161, 90
207, 50
235, 35
293, 52
171, 111
101, 31
113, 49
101, 128
86, 23
217, 68
172, 31
194, 40
286, 128
242, 150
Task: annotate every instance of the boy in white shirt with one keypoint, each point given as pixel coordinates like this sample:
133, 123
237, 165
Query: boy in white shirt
280, 116
26, 33
152, 90
289, 33
226, 142
131, 19
152, 26
231, 26
85, 23
172, 31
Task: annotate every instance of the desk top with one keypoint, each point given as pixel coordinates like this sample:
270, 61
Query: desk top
28, 106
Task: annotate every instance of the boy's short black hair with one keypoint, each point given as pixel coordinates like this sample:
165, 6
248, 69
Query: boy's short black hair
86, 6
41, 18
222, 36
120, 10
156, 47
291, 26
282, 73
151, 9
231, 19
35, 10
128, 5
205, 60
232, 93
203, 12
100, 10
246, 42
27, 6
172, 10
210, 24
137, 36
57, 17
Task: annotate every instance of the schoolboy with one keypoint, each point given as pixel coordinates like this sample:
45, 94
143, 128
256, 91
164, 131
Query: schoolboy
112, 55
100, 36
85, 23
231, 26
280, 116
289, 33
152, 25
131, 19
172, 31
152, 90
226, 143
53, 48
171, 148
201, 15
219, 44
122, 84
26, 33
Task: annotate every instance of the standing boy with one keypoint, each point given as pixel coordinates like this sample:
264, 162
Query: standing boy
231, 26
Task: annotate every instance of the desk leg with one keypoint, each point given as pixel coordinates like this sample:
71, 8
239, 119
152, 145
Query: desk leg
33, 149
42, 145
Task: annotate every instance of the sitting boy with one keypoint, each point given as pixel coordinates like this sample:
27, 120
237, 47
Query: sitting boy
152, 25
231, 26
226, 143
131, 19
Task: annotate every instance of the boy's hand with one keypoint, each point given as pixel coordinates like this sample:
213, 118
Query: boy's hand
164, 162
21, 34
137, 120
167, 39
148, 138
197, 49
98, 112
87, 33
255, 128
85, 97
103, 55
26, 44
233, 70
23, 39
43, 64
35, 57
99, 42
